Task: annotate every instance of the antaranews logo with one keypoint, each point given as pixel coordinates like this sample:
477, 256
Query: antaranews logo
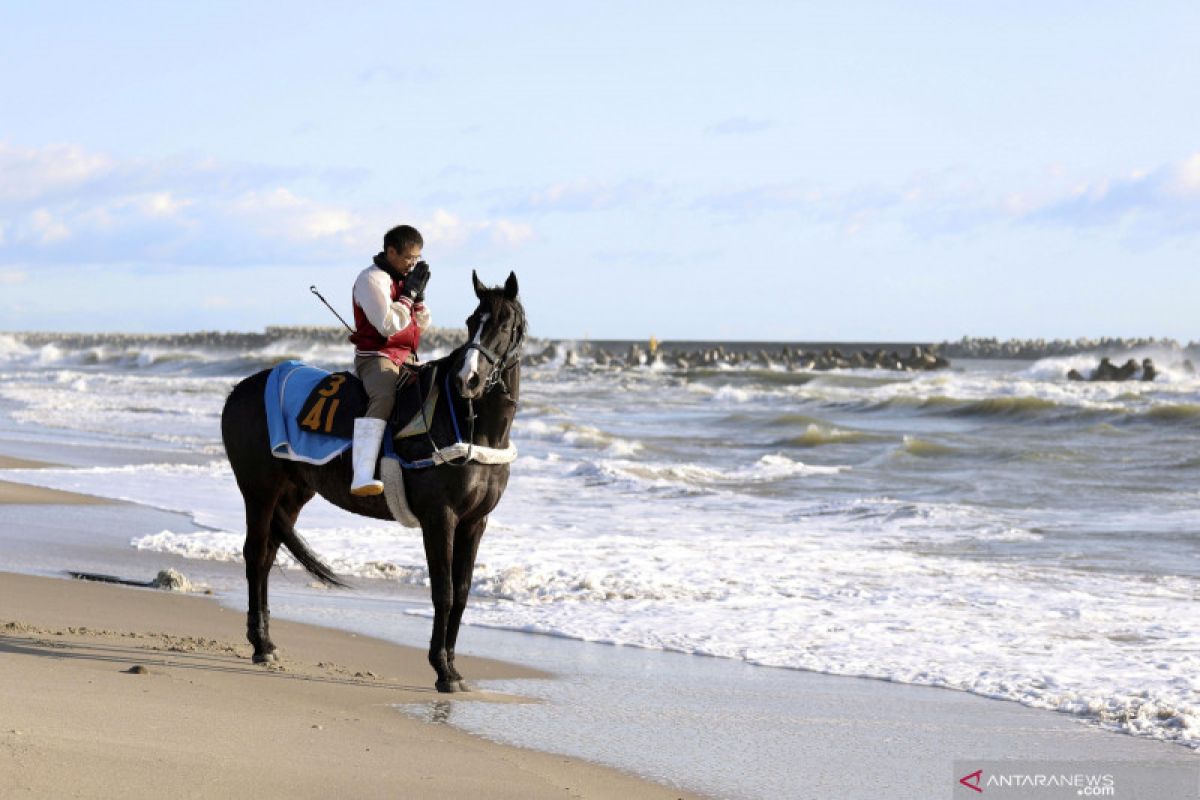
1050, 780
1081, 783
1022, 779
973, 780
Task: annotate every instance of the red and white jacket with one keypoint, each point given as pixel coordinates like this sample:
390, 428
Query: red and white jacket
386, 323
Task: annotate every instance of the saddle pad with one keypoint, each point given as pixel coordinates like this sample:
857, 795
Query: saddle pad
311, 411
288, 388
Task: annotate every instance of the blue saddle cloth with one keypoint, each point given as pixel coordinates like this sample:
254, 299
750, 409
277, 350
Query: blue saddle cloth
288, 386
323, 432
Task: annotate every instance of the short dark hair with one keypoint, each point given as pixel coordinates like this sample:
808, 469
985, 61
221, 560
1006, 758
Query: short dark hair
402, 237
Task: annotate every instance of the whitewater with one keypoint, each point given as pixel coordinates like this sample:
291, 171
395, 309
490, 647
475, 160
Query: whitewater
993, 528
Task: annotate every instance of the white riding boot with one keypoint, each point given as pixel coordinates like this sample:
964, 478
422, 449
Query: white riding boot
368, 434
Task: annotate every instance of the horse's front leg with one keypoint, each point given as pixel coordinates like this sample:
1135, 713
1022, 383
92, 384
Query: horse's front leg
466, 544
439, 554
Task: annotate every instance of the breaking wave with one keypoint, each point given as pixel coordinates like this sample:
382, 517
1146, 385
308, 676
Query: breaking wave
925, 449
816, 435
693, 478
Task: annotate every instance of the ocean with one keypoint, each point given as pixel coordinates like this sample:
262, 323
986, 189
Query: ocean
992, 528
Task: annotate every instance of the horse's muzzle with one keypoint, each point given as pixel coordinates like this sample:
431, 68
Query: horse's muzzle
470, 387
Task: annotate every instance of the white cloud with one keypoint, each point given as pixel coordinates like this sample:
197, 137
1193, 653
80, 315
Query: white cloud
1016, 204
1146, 204
1187, 175
281, 213
27, 173
11, 277
47, 227
198, 211
161, 204
124, 210
138, 210
446, 230
1149, 204
511, 233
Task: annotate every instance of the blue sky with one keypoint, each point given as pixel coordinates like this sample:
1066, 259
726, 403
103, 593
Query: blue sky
688, 170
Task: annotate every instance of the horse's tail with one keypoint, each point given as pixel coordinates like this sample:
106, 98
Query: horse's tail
287, 536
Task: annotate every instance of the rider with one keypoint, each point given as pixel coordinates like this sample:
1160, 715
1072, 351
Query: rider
389, 315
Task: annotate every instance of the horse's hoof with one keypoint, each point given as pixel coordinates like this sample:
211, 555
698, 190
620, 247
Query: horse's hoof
463, 686
448, 687
265, 658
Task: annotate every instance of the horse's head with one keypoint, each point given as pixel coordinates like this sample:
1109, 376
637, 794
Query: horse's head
495, 333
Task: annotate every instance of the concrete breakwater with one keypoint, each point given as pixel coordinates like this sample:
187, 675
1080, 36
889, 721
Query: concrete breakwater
841, 355
717, 355
975, 347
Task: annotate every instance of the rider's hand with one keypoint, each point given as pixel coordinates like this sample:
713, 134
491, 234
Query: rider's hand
415, 281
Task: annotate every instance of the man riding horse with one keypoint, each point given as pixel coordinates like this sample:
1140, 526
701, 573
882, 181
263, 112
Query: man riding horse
389, 316
453, 479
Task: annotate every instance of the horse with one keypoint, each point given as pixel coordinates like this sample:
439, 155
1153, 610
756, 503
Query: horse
451, 500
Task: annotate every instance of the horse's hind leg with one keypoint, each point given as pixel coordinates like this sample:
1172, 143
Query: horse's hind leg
283, 521
259, 553
273, 499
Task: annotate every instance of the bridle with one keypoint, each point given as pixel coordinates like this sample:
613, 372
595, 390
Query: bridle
499, 365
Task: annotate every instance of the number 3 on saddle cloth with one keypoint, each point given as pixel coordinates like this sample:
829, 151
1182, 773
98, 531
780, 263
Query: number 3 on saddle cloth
311, 412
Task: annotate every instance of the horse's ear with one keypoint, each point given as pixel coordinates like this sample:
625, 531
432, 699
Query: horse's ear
479, 287
510, 286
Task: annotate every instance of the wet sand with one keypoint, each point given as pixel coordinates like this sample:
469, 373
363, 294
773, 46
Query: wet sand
202, 721
9, 462
20, 493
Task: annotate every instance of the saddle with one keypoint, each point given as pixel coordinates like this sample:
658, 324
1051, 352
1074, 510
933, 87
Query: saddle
340, 398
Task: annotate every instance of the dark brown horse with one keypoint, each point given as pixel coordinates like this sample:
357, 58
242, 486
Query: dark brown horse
451, 500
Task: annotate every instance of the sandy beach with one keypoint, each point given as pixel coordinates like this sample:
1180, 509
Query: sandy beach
111, 690
201, 721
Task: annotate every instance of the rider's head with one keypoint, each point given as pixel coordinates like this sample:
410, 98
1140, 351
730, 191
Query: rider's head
402, 247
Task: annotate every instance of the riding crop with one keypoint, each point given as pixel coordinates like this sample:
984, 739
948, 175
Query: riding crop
313, 289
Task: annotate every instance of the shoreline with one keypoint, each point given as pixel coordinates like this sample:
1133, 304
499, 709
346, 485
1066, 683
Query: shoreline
323, 722
10, 462
24, 494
